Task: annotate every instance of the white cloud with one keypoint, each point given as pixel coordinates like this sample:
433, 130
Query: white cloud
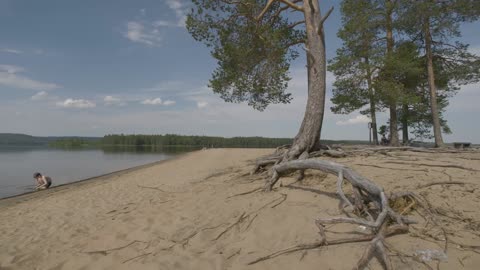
113, 101
154, 101
202, 104
39, 96
9, 77
168, 102
163, 23
148, 32
142, 33
9, 50
10, 69
180, 11
76, 103
359, 119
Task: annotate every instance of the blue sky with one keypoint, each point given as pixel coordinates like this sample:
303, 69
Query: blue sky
94, 67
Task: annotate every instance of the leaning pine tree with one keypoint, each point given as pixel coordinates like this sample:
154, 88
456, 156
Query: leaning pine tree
254, 42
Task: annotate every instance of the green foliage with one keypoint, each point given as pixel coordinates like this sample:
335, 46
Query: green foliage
356, 60
454, 64
253, 55
383, 130
400, 77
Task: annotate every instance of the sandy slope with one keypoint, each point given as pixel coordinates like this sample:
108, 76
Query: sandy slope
183, 214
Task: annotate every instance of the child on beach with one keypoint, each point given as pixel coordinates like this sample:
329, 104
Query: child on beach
43, 182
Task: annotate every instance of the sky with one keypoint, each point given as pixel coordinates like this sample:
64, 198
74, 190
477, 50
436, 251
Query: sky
90, 68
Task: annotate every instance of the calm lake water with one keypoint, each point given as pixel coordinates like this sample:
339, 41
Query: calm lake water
17, 164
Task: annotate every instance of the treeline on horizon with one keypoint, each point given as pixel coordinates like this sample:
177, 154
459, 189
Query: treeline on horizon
173, 140
154, 141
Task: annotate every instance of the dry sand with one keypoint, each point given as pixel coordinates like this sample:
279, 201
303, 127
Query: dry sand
183, 214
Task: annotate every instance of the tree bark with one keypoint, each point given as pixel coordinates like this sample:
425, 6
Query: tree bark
371, 93
405, 124
392, 102
308, 137
437, 132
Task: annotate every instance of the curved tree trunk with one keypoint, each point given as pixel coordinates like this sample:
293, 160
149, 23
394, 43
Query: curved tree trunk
308, 137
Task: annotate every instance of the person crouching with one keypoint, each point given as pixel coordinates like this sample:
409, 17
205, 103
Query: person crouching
43, 182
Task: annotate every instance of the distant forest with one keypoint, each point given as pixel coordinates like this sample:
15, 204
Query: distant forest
182, 140
173, 140
153, 141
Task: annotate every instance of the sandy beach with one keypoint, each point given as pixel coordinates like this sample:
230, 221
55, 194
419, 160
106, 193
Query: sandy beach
203, 210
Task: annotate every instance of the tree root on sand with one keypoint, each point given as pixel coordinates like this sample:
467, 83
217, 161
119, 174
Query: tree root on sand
370, 205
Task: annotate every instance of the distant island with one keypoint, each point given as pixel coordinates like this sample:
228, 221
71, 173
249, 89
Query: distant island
17, 139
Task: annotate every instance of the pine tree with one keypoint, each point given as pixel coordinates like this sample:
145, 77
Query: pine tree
435, 25
254, 42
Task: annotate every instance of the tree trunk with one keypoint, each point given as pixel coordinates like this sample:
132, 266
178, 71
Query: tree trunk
405, 124
437, 132
371, 94
393, 104
308, 137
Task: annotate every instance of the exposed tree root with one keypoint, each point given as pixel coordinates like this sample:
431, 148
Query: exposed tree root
245, 193
389, 168
106, 251
393, 230
284, 197
443, 183
136, 257
370, 204
434, 165
282, 154
241, 218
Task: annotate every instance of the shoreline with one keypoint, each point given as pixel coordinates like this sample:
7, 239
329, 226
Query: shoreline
23, 197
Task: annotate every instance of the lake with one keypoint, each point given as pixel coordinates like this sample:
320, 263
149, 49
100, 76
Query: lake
17, 164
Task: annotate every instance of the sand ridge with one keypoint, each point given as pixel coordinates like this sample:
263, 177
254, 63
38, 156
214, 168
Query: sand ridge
204, 211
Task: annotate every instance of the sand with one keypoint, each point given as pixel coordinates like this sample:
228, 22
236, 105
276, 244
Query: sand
186, 213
